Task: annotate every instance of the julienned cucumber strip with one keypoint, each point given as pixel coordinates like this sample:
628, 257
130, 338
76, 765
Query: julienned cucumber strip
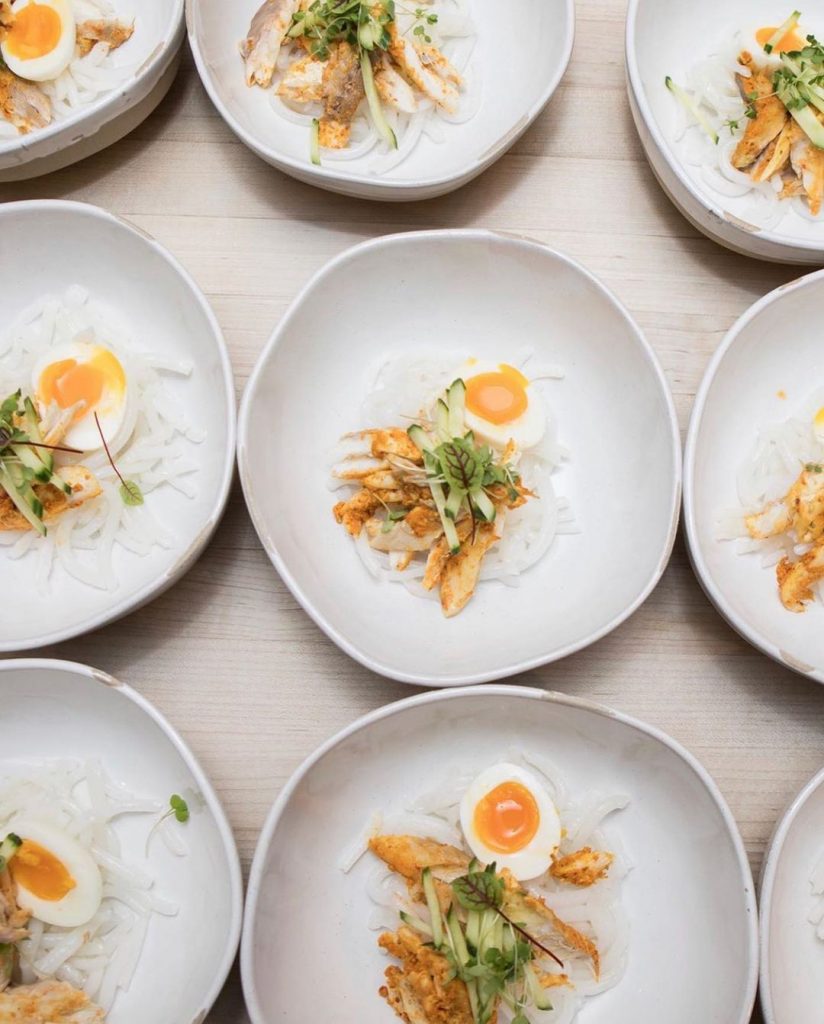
784, 30
421, 439
456, 400
689, 104
374, 101
314, 142
813, 128
433, 905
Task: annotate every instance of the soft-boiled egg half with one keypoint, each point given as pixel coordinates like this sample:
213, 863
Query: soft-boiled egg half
91, 380
40, 44
509, 819
502, 405
756, 39
57, 880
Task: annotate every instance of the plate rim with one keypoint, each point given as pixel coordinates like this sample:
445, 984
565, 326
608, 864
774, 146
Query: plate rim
264, 842
716, 596
711, 207
192, 553
477, 235
775, 849
326, 178
213, 801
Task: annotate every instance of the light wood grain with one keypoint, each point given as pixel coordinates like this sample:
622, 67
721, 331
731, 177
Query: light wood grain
227, 655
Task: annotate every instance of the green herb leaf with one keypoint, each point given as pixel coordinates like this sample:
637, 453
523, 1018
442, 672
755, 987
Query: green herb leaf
479, 890
179, 808
461, 464
130, 493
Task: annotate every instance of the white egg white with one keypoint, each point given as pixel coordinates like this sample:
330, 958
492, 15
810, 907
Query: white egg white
50, 65
81, 903
114, 410
527, 431
536, 856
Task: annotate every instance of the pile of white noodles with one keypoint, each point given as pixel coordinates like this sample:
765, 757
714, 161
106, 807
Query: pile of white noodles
405, 391
157, 452
712, 83
596, 911
779, 455
99, 958
87, 78
455, 37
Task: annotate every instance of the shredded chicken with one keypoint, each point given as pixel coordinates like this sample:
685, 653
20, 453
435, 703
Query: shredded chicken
420, 990
343, 92
808, 163
113, 33
13, 919
771, 114
262, 45
84, 487
423, 71
583, 868
800, 513
462, 571
303, 81
23, 103
48, 1002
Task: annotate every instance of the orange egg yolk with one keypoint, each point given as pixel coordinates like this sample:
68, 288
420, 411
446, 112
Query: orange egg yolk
791, 42
68, 382
507, 818
35, 31
39, 872
498, 397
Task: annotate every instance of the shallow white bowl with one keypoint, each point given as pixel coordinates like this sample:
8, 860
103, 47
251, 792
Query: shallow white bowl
154, 297
528, 65
775, 346
491, 296
665, 37
54, 709
689, 898
154, 51
792, 958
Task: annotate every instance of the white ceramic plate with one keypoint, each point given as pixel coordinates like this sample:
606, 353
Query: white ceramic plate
48, 246
774, 348
55, 709
153, 51
518, 72
667, 37
689, 898
792, 957
492, 296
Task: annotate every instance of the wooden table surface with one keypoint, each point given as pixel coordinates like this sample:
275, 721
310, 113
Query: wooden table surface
227, 654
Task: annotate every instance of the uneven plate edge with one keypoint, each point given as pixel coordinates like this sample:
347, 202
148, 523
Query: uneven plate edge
638, 95
72, 668
479, 235
699, 565
511, 692
364, 186
190, 556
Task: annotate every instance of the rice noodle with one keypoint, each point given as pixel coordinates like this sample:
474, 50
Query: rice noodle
87, 78
78, 797
152, 448
595, 911
403, 391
